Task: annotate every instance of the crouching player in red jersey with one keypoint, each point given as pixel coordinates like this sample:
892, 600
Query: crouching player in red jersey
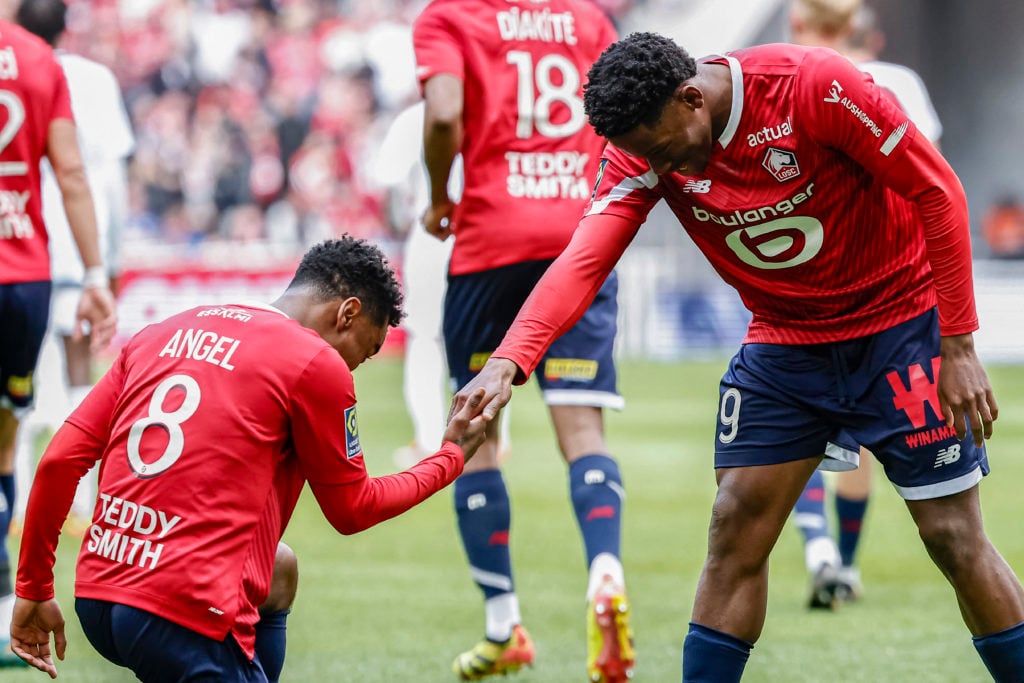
208, 425
847, 235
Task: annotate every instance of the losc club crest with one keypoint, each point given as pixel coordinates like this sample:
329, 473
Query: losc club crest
781, 163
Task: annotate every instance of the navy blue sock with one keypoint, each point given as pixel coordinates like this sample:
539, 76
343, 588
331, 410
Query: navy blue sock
6, 511
711, 656
595, 487
810, 509
484, 515
850, 512
1003, 653
271, 639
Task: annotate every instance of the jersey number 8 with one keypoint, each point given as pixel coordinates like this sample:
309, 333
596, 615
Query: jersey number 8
169, 422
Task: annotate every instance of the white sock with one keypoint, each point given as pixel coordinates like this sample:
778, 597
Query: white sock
605, 564
502, 615
820, 551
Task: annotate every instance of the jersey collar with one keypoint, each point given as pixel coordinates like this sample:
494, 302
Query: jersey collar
736, 112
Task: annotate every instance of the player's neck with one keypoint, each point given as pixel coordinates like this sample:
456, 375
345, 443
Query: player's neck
715, 82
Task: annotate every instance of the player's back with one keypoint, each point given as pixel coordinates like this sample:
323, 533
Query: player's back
201, 421
33, 93
530, 156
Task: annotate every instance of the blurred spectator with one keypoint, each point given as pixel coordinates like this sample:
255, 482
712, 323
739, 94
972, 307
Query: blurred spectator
255, 119
1003, 228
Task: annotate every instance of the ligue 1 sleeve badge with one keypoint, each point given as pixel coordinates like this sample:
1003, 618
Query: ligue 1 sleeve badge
781, 163
352, 447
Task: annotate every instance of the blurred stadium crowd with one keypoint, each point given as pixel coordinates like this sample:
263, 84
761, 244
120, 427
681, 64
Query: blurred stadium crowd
254, 119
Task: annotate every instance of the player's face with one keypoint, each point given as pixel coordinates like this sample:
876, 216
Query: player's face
680, 141
361, 340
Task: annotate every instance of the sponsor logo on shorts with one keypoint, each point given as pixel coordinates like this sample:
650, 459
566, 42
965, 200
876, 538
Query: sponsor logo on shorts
477, 360
352, 447
947, 456
570, 368
929, 436
19, 387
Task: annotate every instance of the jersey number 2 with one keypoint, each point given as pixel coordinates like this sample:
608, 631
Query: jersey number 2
15, 118
169, 422
535, 110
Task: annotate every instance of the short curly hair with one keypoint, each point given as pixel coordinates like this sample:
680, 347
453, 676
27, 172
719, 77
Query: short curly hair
632, 80
45, 18
348, 266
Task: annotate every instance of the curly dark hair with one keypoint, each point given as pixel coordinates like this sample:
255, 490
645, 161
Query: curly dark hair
347, 267
44, 18
632, 80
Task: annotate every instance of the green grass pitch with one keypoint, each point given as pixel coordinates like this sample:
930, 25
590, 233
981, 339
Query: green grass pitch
395, 603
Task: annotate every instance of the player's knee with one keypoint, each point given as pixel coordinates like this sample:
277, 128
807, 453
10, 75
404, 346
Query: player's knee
284, 583
737, 541
950, 540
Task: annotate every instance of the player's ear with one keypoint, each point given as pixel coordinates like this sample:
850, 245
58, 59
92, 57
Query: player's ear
690, 94
348, 310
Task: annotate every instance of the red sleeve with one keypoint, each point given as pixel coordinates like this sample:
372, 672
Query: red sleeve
359, 505
71, 453
436, 43
565, 291
850, 113
94, 415
325, 433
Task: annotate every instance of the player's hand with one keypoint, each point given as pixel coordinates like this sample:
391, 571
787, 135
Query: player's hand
965, 395
467, 427
31, 626
97, 306
437, 220
496, 381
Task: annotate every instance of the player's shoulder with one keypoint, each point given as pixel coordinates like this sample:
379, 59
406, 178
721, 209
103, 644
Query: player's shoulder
774, 58
25, 44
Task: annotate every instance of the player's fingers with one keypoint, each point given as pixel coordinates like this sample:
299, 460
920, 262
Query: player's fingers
60, 642
31, 656
102, 335
475, 399
959, 423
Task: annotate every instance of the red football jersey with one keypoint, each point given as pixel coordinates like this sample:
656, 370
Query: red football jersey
33, 93
209, 424
530, 157
820, 204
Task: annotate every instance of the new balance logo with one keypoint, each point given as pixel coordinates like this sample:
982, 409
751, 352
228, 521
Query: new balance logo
948, 456
593, 477
697, 186
476, 501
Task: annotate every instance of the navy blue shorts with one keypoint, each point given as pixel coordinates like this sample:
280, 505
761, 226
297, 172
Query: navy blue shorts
578, 368
24, 311
779, 403
159, 651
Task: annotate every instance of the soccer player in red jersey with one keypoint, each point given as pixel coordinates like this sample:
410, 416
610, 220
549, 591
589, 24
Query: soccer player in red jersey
847, 236
208, 425
36, 122
502, 83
